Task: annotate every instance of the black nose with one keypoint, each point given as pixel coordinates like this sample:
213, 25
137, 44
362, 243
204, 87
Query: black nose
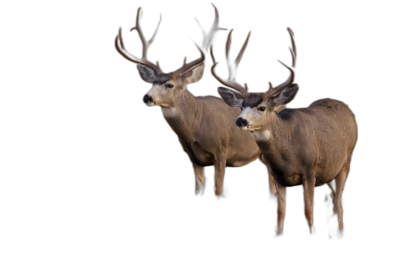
241, 122
147, 99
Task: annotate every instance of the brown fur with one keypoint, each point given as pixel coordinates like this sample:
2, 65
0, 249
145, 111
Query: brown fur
308, 146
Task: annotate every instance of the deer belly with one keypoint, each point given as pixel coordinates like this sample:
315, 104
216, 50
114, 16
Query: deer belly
328, 169
288, 180
201, 156
241, 159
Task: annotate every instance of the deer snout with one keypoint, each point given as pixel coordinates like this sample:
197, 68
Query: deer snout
241, 122
147, 99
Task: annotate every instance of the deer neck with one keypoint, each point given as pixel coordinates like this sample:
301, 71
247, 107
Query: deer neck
277, 137
182, 115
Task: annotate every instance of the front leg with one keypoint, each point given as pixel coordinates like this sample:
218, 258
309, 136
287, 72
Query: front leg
309, 185
280, 207
199, 178
219, 165
281, 194
272, 187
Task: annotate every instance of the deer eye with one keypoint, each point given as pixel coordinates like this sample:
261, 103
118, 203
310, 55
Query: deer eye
241, 108
170, 85
261, 108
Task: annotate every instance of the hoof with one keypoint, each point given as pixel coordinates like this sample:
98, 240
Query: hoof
199, 191
218, 192
278, 232
198, 187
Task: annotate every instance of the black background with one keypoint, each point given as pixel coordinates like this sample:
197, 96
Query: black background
137, 187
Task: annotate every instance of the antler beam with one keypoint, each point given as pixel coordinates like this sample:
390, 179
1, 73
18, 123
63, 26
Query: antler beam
231, 81
119, 45
208, 37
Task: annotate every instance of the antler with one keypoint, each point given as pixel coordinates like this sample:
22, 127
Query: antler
208, 38
119, 45
293, 48
191, 65
231, 82
274, 90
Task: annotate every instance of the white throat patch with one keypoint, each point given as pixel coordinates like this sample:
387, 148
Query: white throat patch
264, 135
169, 112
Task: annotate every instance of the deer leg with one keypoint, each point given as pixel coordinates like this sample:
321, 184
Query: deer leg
281, 195
340, 181
272, 188
333, 191
309, 185
219, 165
199, 178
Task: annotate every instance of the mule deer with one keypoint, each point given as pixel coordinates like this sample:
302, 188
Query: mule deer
306, 146
204, 125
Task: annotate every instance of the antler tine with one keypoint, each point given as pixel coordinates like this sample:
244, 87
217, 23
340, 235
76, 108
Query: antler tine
146, 44
215, 27
270, 85
293, 48
119, 44
271, 91
140, 32
274, 90
232, 69
192, 64
231, 82
228, 44
153, 36
208, 38
203, 32
240, 55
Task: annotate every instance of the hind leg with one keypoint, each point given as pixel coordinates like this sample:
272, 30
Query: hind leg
272, 187
219, 165
308, 186
333, 191
340, 181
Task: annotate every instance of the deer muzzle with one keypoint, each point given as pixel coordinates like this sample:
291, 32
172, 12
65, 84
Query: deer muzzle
240, 122
147, 99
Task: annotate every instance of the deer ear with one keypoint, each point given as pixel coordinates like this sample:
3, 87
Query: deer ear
147, 74
230, 97
193, 75
285, 96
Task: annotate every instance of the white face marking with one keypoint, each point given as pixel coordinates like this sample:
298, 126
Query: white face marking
254, 118
246, 113
261, 135
161, 95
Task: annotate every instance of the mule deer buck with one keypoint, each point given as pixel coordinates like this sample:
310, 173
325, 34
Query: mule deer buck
305, 146
204, 125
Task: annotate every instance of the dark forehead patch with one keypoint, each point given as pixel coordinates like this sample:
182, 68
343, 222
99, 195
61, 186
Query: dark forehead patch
162, 78
252, 100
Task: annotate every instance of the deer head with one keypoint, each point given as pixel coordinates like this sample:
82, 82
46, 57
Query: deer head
166, 86
257, 108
